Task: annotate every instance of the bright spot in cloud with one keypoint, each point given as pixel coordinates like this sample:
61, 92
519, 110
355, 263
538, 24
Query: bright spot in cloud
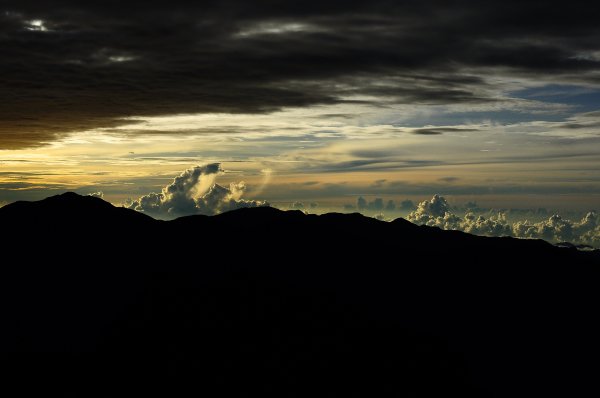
275, 28
36, 25
120, 58
588, 56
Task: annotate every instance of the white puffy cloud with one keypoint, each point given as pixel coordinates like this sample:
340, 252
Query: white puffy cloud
194, 191
556, 228
492, 226
98, 194
436, 212
382, 217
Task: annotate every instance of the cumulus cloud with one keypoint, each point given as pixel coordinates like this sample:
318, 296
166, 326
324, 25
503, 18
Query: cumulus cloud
382, 217
556, 228
436, 212
98, 194
194, 191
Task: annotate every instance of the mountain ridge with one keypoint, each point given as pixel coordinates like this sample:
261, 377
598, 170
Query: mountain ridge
283, 303
70, 204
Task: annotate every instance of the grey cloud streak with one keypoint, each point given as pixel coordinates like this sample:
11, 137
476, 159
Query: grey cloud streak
97, 62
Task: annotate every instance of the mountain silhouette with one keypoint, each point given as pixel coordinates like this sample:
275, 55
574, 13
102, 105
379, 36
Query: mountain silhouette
101, 301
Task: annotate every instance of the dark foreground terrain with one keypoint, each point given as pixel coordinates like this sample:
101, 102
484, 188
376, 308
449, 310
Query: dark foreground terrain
107, 302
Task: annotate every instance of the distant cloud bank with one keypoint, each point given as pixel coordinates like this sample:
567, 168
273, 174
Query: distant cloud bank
195, 191
436, 212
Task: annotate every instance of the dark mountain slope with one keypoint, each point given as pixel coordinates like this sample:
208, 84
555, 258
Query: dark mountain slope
260, 301
69, 210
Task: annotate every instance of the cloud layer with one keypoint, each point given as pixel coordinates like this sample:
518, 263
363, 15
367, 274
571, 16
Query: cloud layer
69, 65
436, 212
194, 191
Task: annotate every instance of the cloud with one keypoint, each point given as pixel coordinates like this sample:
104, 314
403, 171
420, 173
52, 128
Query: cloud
558, 229
436, 212
407, 205
427, 210
297, 206
381, 217
390, 206
194, 191
98, 194
303, 206
361, 203
71, 66
375, 205
448, 179
440, 130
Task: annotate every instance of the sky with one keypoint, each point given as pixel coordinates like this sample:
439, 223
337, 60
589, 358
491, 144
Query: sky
301, 103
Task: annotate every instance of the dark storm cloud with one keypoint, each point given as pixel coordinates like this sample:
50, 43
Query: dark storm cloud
72, 65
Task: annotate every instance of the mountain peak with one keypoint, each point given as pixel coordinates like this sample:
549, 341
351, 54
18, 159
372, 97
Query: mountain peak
68, 209
73, 198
